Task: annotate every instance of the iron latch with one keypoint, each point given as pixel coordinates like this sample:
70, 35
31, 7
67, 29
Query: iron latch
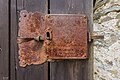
52, 36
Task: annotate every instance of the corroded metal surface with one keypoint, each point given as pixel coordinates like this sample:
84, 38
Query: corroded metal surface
47, 37
69, 39
31, 28
32, 52
31, 24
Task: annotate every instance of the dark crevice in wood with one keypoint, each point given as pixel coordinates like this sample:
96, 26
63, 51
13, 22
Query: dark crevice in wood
9, 37
23, 2
48, 70
11, 44
48, 62
48, 6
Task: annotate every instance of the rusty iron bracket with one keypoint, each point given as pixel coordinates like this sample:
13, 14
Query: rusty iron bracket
52, 37
22, 40
97, 37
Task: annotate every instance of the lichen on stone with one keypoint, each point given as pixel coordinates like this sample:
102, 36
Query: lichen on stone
107, 51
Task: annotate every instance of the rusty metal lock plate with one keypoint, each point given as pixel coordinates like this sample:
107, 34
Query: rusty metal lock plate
68, 36
51, 36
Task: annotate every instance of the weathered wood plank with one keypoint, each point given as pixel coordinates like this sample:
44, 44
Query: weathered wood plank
4, 39
34, 72
13, 37
66, 6
69, 69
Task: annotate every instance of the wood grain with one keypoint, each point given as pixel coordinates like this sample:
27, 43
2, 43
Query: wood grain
13, 37
34, 72
72, 69
4, 40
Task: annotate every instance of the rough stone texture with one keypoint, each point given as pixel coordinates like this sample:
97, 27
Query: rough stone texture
107, 51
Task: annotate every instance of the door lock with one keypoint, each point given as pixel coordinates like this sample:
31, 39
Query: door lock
52, 36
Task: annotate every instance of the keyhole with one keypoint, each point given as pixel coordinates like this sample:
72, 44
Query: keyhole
48, 35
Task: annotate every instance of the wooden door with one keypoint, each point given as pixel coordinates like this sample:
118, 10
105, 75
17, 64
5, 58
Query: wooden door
60, 70
72, 69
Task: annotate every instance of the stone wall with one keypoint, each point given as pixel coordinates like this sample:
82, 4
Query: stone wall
107, 51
